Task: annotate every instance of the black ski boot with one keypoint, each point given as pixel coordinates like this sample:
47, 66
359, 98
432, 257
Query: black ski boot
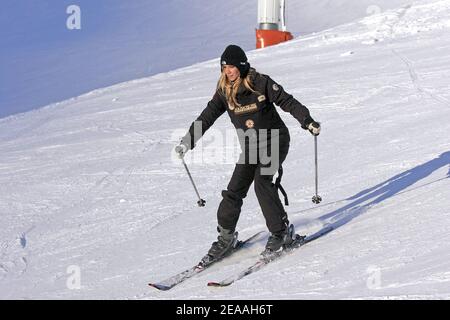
226, 242
279, 241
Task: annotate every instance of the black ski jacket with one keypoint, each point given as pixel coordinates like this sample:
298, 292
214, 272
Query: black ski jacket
256, 110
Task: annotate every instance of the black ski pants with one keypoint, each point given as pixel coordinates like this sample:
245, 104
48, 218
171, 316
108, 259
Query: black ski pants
266, 192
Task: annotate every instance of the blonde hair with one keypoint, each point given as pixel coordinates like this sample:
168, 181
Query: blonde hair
229, 89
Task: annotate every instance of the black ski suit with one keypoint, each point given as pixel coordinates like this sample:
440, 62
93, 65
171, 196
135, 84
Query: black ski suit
256, 111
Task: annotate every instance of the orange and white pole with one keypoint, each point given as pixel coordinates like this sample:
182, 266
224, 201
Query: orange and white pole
271, 23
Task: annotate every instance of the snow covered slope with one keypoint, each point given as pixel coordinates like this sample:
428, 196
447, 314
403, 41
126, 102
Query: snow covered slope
42, 61
89, 187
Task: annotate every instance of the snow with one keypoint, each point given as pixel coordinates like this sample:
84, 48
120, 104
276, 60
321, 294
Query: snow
43, 62
94, 204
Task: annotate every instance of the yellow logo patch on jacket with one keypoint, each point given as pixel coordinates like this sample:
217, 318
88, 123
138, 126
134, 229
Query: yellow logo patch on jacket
249, 108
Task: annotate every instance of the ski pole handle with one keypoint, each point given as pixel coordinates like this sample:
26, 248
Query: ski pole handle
200, 202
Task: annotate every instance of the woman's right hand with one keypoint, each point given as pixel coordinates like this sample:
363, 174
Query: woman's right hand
181, 150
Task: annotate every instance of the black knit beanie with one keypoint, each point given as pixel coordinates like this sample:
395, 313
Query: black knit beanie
234, 55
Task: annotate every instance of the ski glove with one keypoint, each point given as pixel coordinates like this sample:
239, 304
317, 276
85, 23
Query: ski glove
181, 150
314, 128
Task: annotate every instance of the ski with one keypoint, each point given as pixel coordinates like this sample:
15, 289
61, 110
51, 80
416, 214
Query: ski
171, 282
299, 242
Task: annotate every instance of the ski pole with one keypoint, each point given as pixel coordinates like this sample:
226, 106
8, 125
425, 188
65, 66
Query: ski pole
200, 202
316, 198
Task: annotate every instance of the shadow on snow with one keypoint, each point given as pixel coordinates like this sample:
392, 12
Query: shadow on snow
364, 200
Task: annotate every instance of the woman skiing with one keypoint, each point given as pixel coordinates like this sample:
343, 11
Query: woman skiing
249, 98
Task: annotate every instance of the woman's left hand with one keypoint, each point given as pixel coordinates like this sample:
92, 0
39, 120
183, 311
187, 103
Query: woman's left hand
314, 128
